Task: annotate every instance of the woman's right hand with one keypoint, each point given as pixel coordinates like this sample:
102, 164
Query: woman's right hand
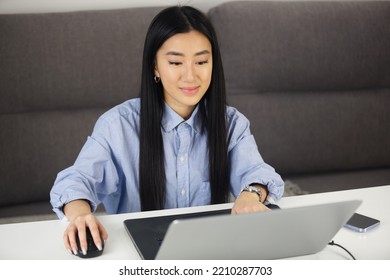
80, 217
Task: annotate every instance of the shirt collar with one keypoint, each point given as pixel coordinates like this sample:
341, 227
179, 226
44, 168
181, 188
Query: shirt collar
171, 119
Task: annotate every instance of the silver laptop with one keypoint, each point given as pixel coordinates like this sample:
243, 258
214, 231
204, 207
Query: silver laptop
275, 234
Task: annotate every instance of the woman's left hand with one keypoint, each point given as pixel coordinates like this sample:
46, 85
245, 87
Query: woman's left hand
248, 202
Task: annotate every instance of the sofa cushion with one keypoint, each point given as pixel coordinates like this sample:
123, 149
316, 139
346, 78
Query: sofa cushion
313, 78
308, 132
336, 181
71, 60
304, 46
35, 146
59, 72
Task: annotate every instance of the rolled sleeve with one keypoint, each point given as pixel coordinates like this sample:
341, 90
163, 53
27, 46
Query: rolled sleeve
246, 163
87, 179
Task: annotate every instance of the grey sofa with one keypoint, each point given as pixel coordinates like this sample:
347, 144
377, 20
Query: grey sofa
312, 77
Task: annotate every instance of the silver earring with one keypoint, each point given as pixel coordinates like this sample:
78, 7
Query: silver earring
157, 79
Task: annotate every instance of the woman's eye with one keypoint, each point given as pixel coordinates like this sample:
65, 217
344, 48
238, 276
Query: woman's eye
174, 63
202, 62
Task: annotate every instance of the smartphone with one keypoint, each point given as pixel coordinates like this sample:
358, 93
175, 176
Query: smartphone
361, 223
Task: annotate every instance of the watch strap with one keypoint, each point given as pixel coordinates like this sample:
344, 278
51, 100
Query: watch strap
253, 189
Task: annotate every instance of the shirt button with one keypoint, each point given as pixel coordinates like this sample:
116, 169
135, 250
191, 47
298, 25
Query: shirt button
182, 158
183, 192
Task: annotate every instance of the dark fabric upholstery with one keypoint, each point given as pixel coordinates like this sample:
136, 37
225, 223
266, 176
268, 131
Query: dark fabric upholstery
312, 77
314, 80
71, 60
344, 180
35, 146
58, 73
306, 132
304, 46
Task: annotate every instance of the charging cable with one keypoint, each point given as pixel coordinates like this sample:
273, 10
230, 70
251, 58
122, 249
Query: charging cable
332, 243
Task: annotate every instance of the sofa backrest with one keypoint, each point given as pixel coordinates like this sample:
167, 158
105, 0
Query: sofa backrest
58, 73
313, 78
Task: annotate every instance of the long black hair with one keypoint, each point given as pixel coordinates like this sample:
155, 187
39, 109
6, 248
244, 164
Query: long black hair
212, 107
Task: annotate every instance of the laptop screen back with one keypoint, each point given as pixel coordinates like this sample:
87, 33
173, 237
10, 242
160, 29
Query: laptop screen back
269, 235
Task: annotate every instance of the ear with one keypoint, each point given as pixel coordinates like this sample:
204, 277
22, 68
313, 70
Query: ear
156, 73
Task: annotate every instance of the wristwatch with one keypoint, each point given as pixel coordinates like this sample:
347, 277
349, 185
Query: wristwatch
255, 190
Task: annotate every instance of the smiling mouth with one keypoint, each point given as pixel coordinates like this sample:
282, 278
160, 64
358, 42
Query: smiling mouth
190, 90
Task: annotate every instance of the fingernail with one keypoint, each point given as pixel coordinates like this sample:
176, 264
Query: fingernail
74, 252
99, 246
70, 251
84, 251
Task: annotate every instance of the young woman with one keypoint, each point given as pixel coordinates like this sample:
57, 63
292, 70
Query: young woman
178, 145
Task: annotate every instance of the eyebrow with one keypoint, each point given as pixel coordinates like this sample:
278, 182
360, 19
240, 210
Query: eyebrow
181, 54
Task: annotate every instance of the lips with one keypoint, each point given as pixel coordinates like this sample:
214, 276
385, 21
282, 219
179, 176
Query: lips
190, 90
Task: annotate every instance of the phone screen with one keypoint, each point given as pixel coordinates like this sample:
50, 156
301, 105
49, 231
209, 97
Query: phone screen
361, 223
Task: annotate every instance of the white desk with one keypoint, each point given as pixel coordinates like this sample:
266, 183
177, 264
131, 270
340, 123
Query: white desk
43, 240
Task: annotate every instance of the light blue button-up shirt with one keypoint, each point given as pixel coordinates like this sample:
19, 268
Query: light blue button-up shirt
106, 170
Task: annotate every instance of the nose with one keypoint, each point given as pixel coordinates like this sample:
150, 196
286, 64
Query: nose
189, 73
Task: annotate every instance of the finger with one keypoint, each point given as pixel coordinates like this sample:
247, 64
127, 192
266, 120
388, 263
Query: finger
233, 212
98, 232
79, 224
70, 239
82, 235
67, 243
96, 236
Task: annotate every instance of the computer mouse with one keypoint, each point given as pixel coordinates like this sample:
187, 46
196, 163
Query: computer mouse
92, 250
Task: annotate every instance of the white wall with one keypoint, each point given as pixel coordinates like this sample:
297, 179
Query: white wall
44, 6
